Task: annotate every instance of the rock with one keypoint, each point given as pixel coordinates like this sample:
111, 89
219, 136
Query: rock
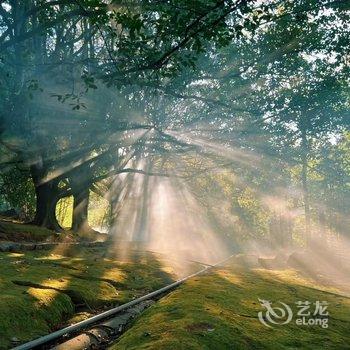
281, 258
9, 247
6, 246
278, 262
298, 260
10, 213
267, 263
249, 260
27, 246
312, 263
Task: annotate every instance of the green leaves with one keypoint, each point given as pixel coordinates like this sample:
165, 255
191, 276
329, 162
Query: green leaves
33, 86
74, 99
89, 81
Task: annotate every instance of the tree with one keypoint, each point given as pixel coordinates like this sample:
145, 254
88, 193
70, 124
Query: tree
238, 76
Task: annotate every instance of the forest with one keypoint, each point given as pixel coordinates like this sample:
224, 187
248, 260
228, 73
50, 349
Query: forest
145, 143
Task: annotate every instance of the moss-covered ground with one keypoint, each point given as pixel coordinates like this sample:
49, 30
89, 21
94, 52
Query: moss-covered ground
16, 231
219, 310
45, 290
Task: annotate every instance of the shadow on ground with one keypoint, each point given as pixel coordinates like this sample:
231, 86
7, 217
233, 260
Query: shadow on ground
42, 291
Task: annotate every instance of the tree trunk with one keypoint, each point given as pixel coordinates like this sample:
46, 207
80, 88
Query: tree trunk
80, 211
46, 199
80, 185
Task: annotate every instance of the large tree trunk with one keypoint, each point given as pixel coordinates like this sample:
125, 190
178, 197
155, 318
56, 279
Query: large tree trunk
80, 185
46, 199
80, 211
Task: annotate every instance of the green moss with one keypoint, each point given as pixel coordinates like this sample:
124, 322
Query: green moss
219, 311
18, 232
40, 290
27, 312
12, 231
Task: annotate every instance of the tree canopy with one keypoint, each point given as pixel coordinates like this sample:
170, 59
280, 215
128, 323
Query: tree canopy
95, 92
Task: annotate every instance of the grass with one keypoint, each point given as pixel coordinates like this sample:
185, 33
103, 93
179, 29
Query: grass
219, 311
42, 291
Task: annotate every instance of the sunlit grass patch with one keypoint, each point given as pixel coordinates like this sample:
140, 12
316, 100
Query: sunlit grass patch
220, 311
42, 291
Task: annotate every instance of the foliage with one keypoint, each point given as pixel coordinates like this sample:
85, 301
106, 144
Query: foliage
98, 212
91, 91
17, 192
